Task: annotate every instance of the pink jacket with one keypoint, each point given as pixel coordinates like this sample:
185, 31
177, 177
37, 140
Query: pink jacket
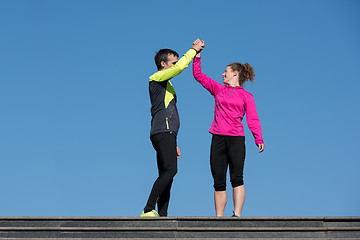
231, 104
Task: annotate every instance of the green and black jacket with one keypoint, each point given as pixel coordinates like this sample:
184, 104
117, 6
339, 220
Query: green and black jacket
165, 117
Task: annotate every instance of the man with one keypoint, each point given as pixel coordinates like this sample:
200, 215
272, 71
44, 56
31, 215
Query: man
165, 124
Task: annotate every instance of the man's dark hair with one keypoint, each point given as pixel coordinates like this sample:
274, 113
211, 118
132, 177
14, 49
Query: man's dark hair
162, 55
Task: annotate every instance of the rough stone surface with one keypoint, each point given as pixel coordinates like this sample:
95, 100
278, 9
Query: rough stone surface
178, 228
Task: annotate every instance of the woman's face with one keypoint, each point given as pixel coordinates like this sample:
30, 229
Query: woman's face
228, 76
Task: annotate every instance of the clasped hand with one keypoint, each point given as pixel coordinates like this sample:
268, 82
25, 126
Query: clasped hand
198, 45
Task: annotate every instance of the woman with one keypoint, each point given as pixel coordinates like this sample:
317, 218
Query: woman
228, 140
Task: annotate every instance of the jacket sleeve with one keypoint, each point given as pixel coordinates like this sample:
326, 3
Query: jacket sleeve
169, 73
211, 85
252, 119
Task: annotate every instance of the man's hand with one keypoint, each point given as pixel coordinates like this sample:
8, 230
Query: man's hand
178, 152
197, 41
198, 45
261, 147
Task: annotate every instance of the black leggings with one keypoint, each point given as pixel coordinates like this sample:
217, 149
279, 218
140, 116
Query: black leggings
165, 146
227, 150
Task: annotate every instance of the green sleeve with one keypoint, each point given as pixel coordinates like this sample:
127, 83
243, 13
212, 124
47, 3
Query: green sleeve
169, 73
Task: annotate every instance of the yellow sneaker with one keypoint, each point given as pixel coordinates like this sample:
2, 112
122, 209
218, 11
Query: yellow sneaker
152, 213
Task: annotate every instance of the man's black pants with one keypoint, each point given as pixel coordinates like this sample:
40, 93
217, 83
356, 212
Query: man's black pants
165, 146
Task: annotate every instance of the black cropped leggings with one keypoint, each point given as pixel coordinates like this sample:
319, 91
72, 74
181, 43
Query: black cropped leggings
166, 154
227, 151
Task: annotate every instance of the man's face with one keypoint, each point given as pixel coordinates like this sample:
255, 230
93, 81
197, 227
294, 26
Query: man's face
171, 62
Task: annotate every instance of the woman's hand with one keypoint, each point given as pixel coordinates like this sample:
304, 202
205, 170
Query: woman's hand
261, 147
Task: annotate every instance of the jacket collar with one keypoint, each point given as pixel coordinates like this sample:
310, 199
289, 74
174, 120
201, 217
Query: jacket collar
240, 87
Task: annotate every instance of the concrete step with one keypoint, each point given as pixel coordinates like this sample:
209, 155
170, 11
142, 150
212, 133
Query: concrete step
179, 227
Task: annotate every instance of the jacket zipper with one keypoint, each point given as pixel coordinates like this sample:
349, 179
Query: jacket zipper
232, 91
167, 123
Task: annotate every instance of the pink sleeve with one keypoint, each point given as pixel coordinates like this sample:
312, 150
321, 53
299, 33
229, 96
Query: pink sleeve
252, 119
211, 85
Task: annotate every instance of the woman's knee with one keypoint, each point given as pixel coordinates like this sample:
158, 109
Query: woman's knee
237, 181
220, 184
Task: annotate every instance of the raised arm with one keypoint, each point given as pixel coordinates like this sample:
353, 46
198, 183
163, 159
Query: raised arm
169, 73
211, 85
181, 64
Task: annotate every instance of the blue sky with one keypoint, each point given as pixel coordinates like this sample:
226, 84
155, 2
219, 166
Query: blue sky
75, 108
